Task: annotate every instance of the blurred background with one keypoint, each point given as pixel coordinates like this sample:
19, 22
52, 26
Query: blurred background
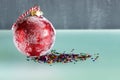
66, 14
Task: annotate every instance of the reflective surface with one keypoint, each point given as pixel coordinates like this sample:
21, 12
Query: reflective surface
13, 64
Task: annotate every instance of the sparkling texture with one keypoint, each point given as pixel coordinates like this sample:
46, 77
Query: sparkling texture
33, 35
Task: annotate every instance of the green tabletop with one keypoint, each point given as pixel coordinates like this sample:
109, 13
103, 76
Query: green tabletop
13, 64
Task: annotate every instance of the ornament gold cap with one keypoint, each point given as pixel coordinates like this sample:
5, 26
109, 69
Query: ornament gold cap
36, 13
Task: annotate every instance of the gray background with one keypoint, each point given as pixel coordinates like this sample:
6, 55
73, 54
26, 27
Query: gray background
66, 14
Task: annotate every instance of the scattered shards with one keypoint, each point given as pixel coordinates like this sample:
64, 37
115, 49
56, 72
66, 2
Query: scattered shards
57, 57
72, 50
96, 57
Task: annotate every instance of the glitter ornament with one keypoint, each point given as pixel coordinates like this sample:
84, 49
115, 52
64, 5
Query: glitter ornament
33, 34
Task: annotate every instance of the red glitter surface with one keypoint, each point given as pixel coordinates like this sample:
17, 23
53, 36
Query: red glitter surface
33, 35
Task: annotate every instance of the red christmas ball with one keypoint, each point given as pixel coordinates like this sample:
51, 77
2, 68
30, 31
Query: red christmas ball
33, 35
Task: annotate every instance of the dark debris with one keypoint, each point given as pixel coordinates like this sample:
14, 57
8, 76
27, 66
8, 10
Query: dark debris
56, 57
